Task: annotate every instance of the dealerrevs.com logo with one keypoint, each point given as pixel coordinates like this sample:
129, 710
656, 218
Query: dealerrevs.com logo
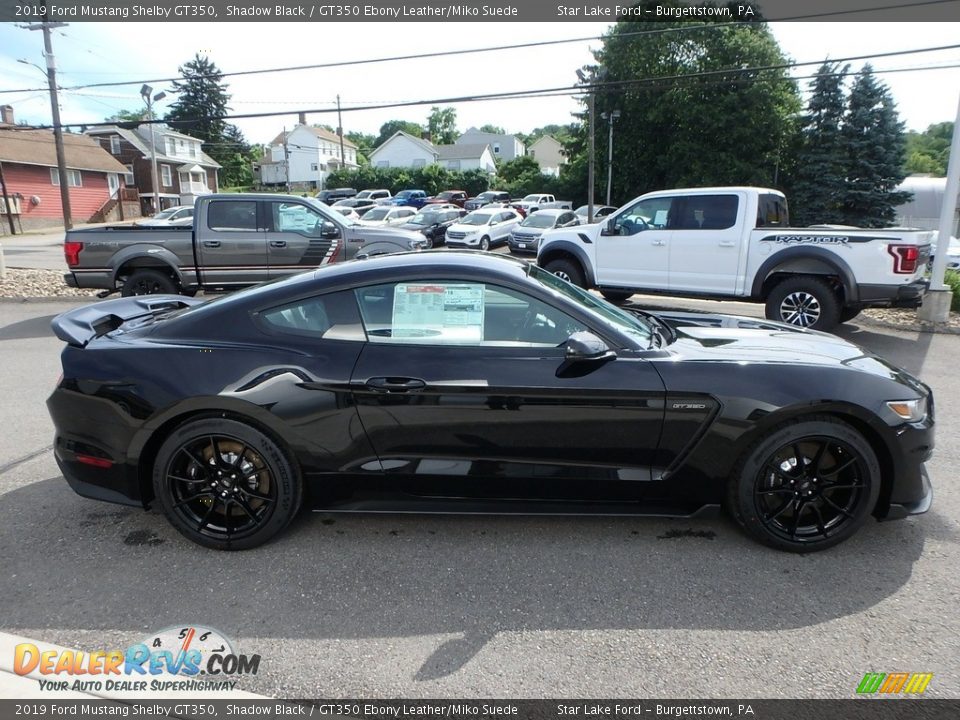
193, 658
894, 683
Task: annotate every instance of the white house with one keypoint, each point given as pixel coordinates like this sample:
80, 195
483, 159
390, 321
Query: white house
305, 156
466, 157
503, 147
548, 152
403, 150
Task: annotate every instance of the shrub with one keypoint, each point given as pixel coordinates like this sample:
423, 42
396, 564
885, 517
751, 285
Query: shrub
952, 280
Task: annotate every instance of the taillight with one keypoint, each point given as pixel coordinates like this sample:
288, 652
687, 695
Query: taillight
71, 251
905, 258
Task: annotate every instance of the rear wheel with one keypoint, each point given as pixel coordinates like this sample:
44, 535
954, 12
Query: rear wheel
567, 270
804, 301
149, 281
224, 484
616, 296
806, 486
849, 313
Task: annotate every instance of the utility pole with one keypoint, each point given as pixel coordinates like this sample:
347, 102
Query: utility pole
611, 116
286, 159
591, 144
6, 201
340, 133
55, 111
146, 92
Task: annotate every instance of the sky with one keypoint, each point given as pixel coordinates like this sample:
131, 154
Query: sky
104, 52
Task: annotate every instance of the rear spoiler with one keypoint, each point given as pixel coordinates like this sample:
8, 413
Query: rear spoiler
80, 326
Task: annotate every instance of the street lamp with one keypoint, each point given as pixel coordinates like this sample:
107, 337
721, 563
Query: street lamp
146, 93
611, 116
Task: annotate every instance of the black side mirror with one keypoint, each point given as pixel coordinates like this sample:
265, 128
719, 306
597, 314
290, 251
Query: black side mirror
584, 353
328, 230
610, 228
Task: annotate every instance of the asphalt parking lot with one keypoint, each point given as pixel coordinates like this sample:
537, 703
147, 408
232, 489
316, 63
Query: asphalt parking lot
389, 606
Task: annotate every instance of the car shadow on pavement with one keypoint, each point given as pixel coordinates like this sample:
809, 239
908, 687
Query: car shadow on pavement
908, 355
76, 564
26, 329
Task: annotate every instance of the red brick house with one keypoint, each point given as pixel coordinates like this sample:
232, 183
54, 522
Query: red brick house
29, 161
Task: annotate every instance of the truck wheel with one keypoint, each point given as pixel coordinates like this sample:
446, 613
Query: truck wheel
849, 313
804, 301
616, 296
147, 281
567, 270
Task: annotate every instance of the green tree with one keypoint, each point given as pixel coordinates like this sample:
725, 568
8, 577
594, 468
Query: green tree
493, 129
127, 116
928, 152
817, 184
365, 145
236, 157
391, 127
201, 104
442, 124
875, 147
725, 128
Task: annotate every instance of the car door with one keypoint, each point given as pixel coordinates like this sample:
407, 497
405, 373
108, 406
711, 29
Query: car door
506, 221
462, 391
633, 249
232, 246
706, 244
299, 237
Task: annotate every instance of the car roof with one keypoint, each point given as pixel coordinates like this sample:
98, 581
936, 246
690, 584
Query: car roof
547, 212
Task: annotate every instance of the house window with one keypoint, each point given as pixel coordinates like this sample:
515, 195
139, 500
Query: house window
73, 178
418, 162
113, 183
193, 150
453, 164
496, 148
128, 175
166, 176
171, 146
533, 153
115, 144
313, 166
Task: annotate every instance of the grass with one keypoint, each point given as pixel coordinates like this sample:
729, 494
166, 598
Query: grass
952, 280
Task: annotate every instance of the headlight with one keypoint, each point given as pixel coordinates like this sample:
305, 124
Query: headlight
417, 244
909, 410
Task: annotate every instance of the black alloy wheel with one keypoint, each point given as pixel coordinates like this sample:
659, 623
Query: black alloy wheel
806, 486
225, 485
147, 281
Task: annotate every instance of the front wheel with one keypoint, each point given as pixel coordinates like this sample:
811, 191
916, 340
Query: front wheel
484, 243
804, 301
567, 270
616, 296
805, 486
224, 484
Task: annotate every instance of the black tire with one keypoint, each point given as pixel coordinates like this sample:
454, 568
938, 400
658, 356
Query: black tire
849, 312
805, 301
810, 509
484, 243
149, 281
616, 296
569, 270
225, 485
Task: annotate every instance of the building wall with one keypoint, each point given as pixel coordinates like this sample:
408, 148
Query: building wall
400, 152
510, 147
33, 180
546, 151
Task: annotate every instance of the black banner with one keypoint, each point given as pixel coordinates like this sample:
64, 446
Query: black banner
854, 709
471, 10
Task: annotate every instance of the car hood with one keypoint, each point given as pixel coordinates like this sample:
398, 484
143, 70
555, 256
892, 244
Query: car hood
384, 232
468, 229
743, 340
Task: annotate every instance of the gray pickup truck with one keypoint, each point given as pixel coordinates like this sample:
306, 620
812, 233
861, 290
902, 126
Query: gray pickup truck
236, 240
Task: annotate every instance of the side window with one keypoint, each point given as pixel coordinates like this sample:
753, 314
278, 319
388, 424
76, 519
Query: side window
650, 214
446, 312
296, 218
772, 211
327, 317
708, 212
232, 215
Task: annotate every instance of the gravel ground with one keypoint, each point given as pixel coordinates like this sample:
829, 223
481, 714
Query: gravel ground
29, 284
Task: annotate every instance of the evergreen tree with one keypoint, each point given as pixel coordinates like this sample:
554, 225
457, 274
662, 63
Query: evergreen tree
875, 148
818, 184
201, 103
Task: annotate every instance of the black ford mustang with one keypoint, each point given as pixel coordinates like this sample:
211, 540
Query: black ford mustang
466, 382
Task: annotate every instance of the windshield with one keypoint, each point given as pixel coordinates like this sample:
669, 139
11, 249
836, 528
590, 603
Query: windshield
424, 219
607, 314
531, 198
165, 213
404, 194
476, 219
364, 194
376, 214
486, 196
327, 212
538, 220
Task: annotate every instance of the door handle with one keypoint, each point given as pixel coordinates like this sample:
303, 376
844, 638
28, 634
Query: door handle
395, 384
659, 243
278, 243
211, 243
727, 243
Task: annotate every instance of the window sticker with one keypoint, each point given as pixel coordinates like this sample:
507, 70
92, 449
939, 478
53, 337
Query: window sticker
445, 313
660, 219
